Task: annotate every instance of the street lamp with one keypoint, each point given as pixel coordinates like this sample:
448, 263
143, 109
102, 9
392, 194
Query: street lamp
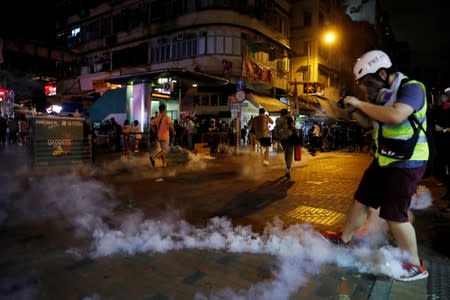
329, 37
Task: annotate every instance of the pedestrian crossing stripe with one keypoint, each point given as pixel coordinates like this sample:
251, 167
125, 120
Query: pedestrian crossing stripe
315, 215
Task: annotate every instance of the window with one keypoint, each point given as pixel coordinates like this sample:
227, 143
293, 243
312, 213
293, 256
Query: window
201, 43
334, 81
214, 100
220, 43
74, 38
187, 45
321, 19
223, 100
196, 100
228, 45
205, 100
307, 48
132, 56
75, 31
210, 44
220, 40
307, 19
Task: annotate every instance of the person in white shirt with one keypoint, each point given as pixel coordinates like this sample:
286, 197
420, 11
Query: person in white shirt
261, 125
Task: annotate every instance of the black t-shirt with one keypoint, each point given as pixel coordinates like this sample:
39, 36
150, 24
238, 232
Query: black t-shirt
441, 116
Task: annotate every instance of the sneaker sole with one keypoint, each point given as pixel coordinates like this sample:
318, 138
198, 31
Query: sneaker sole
323, 235
423, 275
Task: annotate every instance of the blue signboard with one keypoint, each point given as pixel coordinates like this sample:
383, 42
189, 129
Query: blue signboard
240, 84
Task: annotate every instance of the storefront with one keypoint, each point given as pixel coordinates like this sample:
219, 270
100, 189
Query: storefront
145, 91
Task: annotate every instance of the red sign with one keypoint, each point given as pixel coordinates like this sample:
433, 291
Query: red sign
50, 89
4, 93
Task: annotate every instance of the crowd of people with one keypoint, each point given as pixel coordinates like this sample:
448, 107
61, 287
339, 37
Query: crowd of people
255, 135
13, 130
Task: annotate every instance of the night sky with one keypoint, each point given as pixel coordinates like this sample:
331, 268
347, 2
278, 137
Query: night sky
425, 26
34, 19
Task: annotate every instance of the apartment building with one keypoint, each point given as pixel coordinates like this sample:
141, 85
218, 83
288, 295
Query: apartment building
194, 55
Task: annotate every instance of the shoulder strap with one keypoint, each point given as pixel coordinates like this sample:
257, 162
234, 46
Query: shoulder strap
159, 124
413, 120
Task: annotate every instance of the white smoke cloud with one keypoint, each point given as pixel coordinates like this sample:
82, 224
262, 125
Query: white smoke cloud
298, 250
80, 201
422, 198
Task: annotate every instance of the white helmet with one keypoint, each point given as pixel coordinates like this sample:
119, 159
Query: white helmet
370, 63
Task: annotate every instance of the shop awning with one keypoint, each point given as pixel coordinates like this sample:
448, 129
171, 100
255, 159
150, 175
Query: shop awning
270, 104
174, 73
304, 107
112, 102
308, 99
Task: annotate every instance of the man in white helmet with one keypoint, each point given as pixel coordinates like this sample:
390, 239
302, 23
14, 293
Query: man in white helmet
395, 107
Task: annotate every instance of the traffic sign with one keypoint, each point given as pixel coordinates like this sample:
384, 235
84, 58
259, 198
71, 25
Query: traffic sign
240, 95
240, 84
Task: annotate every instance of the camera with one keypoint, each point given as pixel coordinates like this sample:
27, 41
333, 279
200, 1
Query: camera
341, 102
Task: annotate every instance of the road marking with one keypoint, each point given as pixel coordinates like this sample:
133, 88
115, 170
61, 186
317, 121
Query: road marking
316, 215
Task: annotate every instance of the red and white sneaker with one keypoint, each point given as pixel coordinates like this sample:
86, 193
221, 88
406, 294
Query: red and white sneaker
335, 237
414, 272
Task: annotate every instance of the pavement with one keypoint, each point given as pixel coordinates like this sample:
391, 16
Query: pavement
205, 227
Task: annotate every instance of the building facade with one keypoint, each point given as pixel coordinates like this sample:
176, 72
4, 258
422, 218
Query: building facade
192, 54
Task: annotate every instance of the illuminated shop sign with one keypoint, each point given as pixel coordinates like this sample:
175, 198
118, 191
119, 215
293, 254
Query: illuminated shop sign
50, 89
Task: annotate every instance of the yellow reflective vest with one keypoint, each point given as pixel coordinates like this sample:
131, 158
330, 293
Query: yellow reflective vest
405, 131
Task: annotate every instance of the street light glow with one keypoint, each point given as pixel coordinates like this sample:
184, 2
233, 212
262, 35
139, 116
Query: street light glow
330, 37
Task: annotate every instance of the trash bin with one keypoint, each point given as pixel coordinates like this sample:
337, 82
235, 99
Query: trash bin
58, 141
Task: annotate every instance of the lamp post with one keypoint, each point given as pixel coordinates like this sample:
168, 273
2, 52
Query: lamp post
329, 38
309, 67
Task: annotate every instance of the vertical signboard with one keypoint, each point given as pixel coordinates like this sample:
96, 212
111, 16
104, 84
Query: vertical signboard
58, 141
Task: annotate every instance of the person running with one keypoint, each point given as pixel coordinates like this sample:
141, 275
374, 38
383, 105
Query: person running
390, 181
260, 123
162, 122
286, 131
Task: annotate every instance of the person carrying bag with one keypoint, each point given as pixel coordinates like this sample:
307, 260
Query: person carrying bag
288, 136
160, 147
